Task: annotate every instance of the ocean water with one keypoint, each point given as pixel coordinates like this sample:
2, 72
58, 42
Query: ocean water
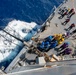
26, 10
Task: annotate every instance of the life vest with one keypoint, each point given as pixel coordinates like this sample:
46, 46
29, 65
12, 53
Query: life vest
60, 41
54, 44
58, 36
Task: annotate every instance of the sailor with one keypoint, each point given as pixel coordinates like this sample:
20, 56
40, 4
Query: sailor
71, 26
57, 36
44, 46
67, 51
65, 13
72, 10
64, 35
68, 9
71, 15
60, 41
53, 44
73, 32
43, 28
41, 47
64, 45
67, 34
62, 10
66, 21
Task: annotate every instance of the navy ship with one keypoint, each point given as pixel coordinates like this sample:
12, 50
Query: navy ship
31, 49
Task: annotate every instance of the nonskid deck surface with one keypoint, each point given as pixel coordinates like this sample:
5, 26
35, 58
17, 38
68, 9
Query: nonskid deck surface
55, 26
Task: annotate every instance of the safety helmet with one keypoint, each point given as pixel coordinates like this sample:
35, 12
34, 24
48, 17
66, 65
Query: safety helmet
67, 43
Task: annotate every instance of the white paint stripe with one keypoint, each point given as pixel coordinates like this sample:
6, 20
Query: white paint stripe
26, 71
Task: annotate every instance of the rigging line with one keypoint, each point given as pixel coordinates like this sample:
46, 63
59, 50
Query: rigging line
11, 42
12, 35
10, 28
24, 42
15, 32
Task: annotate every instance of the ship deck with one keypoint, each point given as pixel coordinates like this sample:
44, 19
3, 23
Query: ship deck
54, 27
